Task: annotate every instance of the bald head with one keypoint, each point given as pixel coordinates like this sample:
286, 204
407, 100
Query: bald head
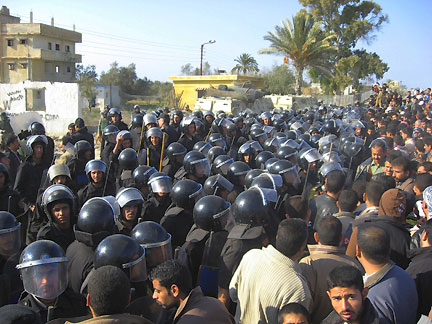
374, 243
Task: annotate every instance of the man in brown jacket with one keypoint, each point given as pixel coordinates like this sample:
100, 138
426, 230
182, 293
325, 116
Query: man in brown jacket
172, 285
324, 257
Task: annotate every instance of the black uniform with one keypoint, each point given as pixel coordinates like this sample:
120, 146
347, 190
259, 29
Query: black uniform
153, 155
77, 171
83, 134
177, 221
154, 209
121, 126
170, 167
50, 231
240, 240
173, 136
9, 201
67, 305
11, 284
80, 256
48, 156
188, 142
90, 191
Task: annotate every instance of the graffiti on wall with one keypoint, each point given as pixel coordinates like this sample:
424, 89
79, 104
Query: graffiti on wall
12, 96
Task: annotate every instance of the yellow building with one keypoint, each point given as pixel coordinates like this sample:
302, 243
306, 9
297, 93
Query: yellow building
192, 87
36, 52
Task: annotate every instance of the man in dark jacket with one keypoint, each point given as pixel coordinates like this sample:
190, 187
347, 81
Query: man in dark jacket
14, 158
420, 269
82, 133
348, 297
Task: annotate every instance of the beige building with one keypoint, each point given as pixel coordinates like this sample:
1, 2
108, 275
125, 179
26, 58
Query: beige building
36, 52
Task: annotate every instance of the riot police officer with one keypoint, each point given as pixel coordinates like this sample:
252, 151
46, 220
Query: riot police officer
115, 118
153, 150
137, 131
237, 176
188, 138
130, 201
178, 218
36, 128
140, 177
205, 240
127, 162
96, 171
218, 185
109, 133
155, 240
9, 198
83, 154
174, 159
251, 217
10, 250
43, 269
159, 199
95, 222
58, 202
196, 167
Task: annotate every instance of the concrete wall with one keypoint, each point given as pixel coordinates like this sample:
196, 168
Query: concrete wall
63, 104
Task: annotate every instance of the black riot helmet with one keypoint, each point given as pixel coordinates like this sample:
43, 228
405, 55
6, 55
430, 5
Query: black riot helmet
96, 215
221, 164
185, 193
185, 122
122, 252
271, 144
211, 213
286, 153
10, 234
270, 162
176, 151
268, 181
137, 121
329, 127
81, 147
43, 259
257, 134
214, 152
36, 128
159, 182
110, 132
248, 151
215, 184
287, 170
217, 139
202, 147
56, 194
141, 175
36, 139
114, 111
128, 159
262, 157
237, 172
251, 175
250, 207
197, 164
307, 156
155, 240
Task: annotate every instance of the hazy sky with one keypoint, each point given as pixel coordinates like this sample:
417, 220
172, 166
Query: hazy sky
161, 36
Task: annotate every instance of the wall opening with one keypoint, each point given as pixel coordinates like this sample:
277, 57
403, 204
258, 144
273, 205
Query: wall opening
35, 99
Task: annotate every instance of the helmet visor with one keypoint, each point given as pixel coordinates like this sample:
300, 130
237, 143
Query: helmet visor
202, 168
312, 155
46, 280
291, 176
223, 167
197, 195
137, 269
157, 253
10, 240
161, 184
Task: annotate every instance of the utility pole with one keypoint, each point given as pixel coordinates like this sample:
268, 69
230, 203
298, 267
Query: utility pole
202, 53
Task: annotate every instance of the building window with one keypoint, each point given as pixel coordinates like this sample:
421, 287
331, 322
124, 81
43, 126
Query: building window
67, 49
23, 41
57, 69
11, 66
10, 42
50, 46
23, 65
57, 47
68, 69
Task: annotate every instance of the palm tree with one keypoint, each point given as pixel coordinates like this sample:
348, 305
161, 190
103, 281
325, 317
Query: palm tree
303, 43
245, 63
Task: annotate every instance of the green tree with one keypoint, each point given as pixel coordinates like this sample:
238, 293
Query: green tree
188, 69
86, 77
245, 63
350, 21
303, 43
279, 80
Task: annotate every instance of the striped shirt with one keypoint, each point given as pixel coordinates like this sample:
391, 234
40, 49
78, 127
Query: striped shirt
264, 282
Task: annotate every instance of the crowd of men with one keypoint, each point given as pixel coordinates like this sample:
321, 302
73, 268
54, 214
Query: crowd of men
320, 215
